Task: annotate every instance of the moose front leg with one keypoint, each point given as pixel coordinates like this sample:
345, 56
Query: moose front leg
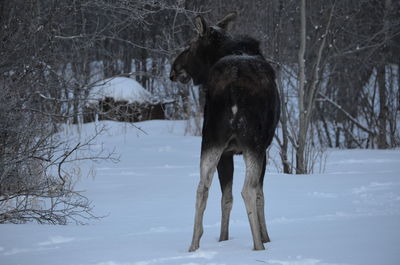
208, 164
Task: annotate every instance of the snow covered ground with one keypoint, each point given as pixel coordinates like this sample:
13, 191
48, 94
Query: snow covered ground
348, 215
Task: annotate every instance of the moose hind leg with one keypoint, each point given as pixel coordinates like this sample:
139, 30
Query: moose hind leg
261, 216
208, 163
225, 175
254, 164
260, 206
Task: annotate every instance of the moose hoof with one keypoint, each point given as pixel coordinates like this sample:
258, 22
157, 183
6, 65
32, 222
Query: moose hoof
193, 248
261, 247
266, 240
223, 238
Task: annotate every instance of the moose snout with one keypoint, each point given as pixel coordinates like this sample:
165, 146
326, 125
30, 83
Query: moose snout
180, 76
172, 75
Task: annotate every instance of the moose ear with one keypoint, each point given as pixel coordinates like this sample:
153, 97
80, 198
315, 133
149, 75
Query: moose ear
201, 25
227, 22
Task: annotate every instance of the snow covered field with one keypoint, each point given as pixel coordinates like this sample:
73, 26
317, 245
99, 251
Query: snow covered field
348, 215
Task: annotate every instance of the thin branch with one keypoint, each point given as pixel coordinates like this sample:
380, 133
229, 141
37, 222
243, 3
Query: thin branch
66, 155
348, 115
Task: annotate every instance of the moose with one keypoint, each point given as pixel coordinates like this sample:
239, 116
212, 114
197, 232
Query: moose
241, 112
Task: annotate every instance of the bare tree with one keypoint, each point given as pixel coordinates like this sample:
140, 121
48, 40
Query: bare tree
307, 97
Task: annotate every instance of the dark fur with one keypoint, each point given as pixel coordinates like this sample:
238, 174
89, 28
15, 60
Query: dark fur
248, 83
234, 74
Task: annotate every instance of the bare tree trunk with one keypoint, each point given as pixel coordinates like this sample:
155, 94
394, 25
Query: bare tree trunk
325, 126
381, 77
300, 161
287, 169
383, 110
398, 85
307, 98
337, 135
76, 93
127, 60
284, 119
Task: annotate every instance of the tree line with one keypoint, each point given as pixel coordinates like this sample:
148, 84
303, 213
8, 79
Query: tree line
337, 66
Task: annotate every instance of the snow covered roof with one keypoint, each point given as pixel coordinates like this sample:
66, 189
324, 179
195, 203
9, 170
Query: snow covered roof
120, 89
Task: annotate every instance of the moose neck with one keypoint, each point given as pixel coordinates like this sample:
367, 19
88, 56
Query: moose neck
240, 45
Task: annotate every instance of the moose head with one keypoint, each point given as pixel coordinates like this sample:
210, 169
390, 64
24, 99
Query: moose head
203, 51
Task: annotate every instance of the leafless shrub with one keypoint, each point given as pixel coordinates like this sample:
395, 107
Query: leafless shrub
38, 165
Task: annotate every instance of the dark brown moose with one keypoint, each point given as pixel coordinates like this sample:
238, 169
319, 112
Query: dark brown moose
242, 109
